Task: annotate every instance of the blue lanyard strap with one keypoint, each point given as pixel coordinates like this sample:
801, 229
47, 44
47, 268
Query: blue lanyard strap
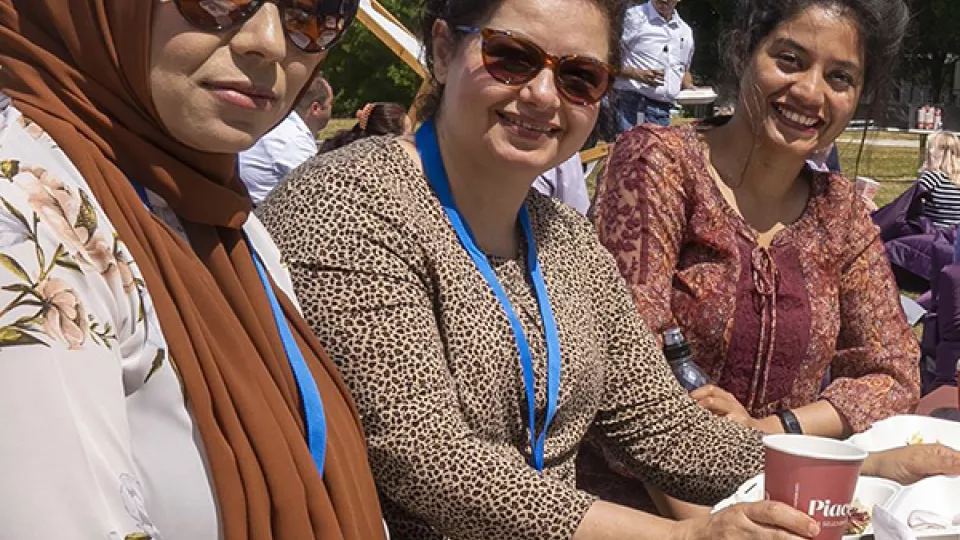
314, 416
433, 167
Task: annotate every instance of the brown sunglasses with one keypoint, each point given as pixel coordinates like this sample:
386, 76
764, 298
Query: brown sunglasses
515, 60
311, 25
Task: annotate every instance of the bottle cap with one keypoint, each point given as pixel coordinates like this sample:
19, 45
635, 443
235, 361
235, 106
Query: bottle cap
675, 346
673, 336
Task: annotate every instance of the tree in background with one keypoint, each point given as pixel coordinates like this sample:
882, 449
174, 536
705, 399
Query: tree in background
707, 19
933, 44
361, 69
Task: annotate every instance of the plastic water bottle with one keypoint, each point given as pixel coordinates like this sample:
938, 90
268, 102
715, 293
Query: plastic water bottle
677, 351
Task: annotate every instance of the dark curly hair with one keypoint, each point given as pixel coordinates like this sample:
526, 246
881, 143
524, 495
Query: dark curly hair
882, 25
473, 13
384, 119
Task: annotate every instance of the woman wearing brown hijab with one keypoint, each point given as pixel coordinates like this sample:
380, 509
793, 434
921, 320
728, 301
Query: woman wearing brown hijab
146, 390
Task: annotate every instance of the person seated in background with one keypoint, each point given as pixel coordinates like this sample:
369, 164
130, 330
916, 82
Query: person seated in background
154, 381
481, 326
382, 118
567, 183
774, 272
290, 143
826, 159
940, 175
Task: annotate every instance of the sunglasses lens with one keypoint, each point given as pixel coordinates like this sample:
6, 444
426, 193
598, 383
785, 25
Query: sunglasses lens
315, 25
510, 60
216, 14
311, 25
513, 60
583, 81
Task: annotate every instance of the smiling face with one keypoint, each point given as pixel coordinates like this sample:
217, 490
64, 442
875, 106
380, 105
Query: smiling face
526, 127
803, 83
221, 91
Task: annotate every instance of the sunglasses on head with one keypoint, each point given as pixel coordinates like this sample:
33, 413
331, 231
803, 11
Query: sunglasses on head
311, 25
516, 60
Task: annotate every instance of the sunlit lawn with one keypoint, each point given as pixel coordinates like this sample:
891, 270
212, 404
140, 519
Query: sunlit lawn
335, 125
856, 134
895, 168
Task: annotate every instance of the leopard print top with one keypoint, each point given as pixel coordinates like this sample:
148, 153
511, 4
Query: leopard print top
430, 357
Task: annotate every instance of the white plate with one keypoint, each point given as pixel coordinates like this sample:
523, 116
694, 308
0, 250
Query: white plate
940, 495
896, 431
697, 96
870, 492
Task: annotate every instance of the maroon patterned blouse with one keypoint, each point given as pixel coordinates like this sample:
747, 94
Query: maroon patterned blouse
765, 324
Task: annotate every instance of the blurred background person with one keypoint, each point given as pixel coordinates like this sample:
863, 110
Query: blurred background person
286, 146
940, 176
825, 159
381, 118
657, 51
567, 183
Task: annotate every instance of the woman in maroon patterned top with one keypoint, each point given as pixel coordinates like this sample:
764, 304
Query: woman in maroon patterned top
774, 272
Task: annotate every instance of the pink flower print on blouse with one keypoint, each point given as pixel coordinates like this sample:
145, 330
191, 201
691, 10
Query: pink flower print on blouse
59, 207
46, 305
64, 317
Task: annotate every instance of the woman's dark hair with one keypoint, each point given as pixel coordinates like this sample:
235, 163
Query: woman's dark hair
474, 13
882, 25
382, 119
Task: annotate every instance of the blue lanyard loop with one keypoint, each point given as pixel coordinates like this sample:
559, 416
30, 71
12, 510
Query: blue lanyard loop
436, 174
314, 416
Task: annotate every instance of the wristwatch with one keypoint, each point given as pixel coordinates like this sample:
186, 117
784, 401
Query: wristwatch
789, 422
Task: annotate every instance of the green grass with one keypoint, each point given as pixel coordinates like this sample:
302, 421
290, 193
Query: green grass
856, 134
333, 126
895, 168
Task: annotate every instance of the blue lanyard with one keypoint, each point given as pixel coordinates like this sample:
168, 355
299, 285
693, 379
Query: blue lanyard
314, 416
434, 169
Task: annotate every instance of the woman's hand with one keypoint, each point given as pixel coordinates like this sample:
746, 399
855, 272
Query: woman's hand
910, 464
766, 520
722, 403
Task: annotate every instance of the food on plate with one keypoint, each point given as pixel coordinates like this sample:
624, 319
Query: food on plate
859, 519
917, 438
923, 520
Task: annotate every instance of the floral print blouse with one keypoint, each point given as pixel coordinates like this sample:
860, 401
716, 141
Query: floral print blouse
95, 438
773, 326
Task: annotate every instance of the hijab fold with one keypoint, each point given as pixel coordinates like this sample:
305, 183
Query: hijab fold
80, 69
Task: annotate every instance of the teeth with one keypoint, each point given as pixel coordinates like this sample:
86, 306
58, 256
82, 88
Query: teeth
798, 118
527, 125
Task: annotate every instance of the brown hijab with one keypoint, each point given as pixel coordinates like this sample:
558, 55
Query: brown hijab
79, 68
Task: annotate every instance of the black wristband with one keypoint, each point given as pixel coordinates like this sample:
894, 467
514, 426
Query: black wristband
789, 422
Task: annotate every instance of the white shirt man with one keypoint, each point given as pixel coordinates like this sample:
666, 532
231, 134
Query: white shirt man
285, 147
567, 183
657, 51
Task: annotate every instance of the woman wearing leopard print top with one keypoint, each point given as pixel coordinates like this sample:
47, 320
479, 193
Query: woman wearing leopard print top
428, 350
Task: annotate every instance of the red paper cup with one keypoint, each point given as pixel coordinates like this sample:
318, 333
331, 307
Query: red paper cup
814, 475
